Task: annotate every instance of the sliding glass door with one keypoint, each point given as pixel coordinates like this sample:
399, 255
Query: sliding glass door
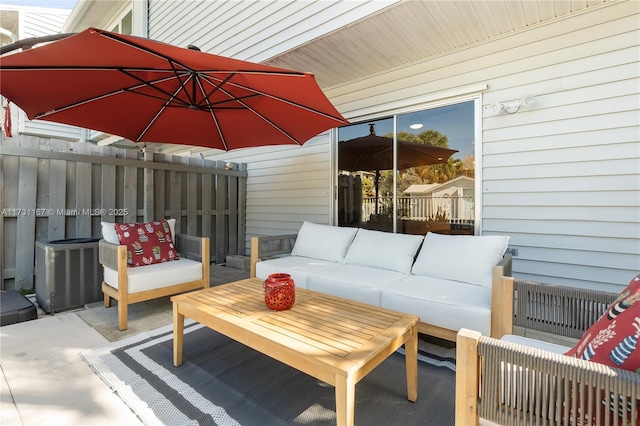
410, 173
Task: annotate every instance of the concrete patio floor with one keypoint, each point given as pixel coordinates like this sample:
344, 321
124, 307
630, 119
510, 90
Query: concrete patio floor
44, 380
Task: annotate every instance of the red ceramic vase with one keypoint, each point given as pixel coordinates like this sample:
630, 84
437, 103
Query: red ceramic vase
279, 292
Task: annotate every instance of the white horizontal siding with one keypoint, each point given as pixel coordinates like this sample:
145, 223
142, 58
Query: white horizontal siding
286, 185
37, 22
49, 129
561, 178
254, 31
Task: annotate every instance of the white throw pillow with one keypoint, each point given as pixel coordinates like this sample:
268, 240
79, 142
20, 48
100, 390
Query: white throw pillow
466, 258
383, 250
323, 242
109, 231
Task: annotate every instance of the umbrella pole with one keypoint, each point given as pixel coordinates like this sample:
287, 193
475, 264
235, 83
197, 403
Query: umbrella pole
377, 182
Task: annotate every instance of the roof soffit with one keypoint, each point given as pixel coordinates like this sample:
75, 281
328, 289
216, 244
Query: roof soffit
415, 30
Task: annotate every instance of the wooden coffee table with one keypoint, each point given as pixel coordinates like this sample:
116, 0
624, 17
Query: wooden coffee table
334, 340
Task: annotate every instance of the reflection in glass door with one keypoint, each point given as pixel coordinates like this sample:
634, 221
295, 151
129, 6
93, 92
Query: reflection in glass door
433, 189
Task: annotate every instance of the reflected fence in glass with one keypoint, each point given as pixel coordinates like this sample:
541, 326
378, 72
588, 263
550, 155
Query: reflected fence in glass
456, 211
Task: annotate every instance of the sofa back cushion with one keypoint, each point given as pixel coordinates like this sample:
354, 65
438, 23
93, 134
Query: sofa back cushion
383, 250
324, 242
466, 258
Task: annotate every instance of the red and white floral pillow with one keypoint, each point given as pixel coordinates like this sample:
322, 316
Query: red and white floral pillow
147, 243
614, 339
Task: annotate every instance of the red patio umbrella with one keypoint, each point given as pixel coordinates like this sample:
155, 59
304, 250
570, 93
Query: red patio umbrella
375, 153
148, 91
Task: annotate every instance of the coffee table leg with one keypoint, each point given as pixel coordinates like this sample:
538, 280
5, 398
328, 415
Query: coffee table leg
411, 360
345, 400
178, 335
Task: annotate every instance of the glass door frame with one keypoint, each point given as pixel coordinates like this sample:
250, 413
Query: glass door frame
393, 114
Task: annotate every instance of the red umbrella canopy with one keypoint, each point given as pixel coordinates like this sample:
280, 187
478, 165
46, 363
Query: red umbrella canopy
149, 91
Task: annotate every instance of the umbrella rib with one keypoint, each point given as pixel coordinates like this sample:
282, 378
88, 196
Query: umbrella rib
275, 126
173, 96
280, 129
160, 111
277, 98
216, 87
102, 96
192, 75
213, 115
73, 105
151, 84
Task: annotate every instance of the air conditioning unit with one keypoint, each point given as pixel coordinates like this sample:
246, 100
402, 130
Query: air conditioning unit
68, 274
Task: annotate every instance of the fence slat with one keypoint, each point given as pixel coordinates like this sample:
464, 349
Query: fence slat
83, 200
57, 196
192, 200
233, 216
130, 202
27, 184
149, 193
207, 185
221, 229
108, 193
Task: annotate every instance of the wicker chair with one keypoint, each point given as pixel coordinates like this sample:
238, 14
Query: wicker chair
515, 384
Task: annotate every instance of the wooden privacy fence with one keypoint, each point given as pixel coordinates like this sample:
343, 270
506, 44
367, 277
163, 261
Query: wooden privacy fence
52, 190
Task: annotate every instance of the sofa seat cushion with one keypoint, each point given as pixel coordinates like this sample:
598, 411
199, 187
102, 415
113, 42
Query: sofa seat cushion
158, 275
354, 282
299, 267
444, 303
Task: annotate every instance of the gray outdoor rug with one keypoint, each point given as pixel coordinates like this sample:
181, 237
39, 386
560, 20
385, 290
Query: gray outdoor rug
222, 382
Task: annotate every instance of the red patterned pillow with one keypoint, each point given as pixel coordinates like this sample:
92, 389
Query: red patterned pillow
147, 243
613, 339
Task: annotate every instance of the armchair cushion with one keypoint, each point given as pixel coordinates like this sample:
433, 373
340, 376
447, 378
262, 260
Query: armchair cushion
613, 339
155, 276
147, 243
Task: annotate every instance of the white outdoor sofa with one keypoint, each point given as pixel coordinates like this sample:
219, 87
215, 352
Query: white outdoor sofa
446, 280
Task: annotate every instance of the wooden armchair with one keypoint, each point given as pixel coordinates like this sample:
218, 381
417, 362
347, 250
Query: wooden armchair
130, 285
510, 383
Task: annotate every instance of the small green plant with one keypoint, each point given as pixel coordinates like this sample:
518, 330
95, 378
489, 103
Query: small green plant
439, 216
